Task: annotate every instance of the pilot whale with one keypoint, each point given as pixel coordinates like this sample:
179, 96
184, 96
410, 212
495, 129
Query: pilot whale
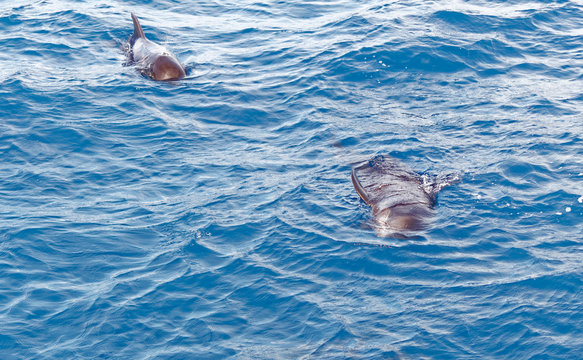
152, 59
402, 201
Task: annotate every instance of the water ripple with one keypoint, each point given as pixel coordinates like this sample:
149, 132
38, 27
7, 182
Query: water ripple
215, 218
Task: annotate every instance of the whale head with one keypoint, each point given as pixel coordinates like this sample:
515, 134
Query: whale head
166, 67
399, 220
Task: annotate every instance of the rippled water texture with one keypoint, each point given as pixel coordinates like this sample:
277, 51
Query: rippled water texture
215, 217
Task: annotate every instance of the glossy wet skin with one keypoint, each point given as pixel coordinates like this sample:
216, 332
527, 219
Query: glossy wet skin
399, 202
402, 219
152, 59
166, 68
155, 61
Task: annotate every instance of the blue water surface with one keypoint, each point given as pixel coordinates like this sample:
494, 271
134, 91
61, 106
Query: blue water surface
214, 217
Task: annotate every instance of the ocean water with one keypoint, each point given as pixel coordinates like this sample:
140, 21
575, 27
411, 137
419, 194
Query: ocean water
214, 217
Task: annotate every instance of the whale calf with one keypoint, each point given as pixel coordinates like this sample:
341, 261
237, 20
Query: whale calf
152, 59
402, 201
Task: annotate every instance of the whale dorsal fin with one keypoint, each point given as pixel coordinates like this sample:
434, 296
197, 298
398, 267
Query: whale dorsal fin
359, 189
138, 32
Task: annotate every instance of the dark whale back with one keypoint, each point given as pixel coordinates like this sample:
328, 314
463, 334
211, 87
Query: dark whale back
401, 199
153, 60
386, 182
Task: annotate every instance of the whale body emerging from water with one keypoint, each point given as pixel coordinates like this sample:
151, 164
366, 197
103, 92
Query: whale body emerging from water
152, 59
402, 201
